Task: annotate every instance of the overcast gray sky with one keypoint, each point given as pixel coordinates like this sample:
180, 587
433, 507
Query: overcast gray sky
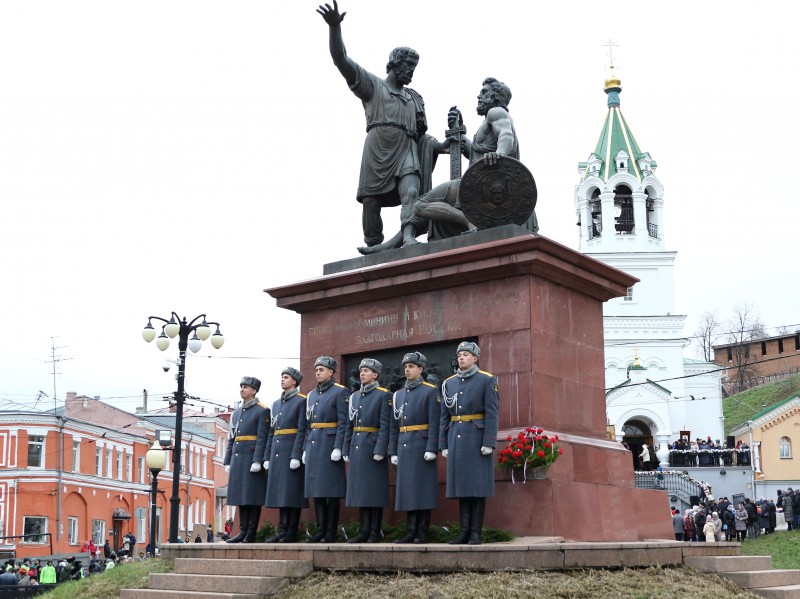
159, 156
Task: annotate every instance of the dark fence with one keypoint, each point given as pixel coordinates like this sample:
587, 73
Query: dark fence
709, 458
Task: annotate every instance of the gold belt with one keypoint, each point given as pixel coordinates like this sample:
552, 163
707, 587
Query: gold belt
467, 417
324, 424
415, 427
245, 438
365, 429
286, 431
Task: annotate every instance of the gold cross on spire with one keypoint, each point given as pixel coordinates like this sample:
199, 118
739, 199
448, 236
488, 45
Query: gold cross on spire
610, 45
636, 356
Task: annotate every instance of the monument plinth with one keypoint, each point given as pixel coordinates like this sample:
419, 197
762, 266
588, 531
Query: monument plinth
535, 308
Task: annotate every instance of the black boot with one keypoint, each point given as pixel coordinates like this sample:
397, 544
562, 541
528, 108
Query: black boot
424, 521
363, 526
252, 526
293, 522
476, 520
321, 513
283, 525
333, 520
244, 519
376, 519
463, 536
412, 522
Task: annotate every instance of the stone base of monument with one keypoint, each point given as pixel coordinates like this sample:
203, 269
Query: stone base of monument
535, 308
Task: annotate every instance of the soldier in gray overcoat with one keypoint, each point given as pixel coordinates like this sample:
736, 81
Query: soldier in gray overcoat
326, 480
366, 441
247, 481
413, 442
467, 437
282, 457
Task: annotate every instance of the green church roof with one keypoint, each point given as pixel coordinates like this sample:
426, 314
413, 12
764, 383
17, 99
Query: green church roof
616, 135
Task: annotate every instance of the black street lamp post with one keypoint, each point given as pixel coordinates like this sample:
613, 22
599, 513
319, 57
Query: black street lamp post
156, 458
173, 327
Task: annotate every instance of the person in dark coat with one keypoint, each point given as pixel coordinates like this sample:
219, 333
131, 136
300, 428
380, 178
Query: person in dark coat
366, 442
413, 442
247, 481
752, 518
772, 515
282, 457
326, 480
788, 509
467, 438
729, 522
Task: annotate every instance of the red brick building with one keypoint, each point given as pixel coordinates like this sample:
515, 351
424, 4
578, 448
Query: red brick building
81, 473
761, 360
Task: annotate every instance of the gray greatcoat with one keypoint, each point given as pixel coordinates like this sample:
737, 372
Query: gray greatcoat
326, 405
246, 442
368, 480
469, 473
285, 487
417, 480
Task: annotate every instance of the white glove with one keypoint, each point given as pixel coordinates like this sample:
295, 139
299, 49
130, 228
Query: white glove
303, 458
430, 456
394, 460
377, 458
228, 468
266, 464
336, 455
294, 464
255, 467
346, 459
444, 454
486, 450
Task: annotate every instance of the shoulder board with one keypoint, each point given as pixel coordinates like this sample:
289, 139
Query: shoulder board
303, 396
452, 376
486, 373
427, 384
338, 385
384, 389
258, 403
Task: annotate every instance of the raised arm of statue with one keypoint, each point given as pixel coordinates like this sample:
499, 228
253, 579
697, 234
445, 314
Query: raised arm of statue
334, 20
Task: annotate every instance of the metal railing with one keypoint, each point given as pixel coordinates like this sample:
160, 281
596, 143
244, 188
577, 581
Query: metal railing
668, 480
37, 535
709, 458
652, 230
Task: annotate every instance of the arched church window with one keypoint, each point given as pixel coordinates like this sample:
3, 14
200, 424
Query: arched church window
623, 209
785, 448
597, 220
635, 428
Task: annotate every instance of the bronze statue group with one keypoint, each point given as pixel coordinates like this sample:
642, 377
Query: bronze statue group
333, 443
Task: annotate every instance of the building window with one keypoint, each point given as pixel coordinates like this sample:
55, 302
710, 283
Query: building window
119, 464
76, 455
763, 348
99, 461
780, 346
99, 532
785, 447
35, 529
36, 451
140, 466
129, 467
110, 463
629, 295
203, 511
205, 465
730, 355
72, 534
180, 517
797, 343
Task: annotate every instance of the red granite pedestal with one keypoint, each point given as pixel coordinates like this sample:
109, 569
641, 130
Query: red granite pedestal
536, 308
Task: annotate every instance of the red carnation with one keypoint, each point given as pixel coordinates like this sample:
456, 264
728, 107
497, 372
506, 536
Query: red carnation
540, 430
508, 438
540, 453
560, 451
547, 445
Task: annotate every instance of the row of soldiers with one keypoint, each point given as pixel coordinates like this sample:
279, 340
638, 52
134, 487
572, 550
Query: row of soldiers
282, 456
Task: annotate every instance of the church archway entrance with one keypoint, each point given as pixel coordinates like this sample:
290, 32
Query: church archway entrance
637, 433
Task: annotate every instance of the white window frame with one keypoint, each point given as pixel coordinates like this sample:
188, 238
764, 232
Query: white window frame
76, 455
140, 465
128, 467
785, 448
110, 462
99, 532
72, 530
41, 444
42, 533
98, 460
205, 464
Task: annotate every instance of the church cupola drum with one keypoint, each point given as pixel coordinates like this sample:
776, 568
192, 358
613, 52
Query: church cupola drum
618, 199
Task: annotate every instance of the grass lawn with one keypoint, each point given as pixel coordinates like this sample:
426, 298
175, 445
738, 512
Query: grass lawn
784, 547
738, 408
108, 585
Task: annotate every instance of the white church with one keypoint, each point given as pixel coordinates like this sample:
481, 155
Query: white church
654, 394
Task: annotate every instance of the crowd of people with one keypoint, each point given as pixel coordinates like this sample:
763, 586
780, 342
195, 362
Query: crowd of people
31, 572
713, 521
335, 443
708, 452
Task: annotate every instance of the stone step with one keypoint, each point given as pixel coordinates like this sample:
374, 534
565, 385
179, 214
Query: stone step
163, 594
729, 563
241, 567
785, 592
219, 580
763, 578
